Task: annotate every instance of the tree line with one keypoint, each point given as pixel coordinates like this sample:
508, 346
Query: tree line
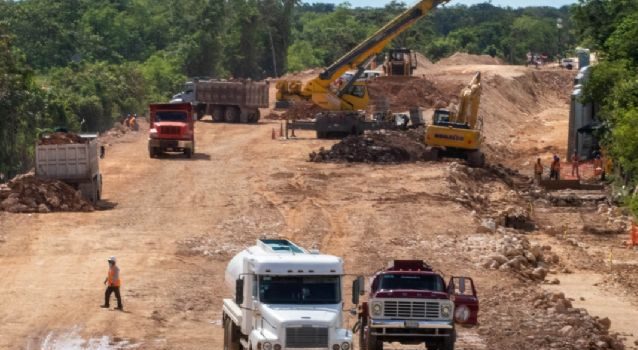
611, 29
81, 63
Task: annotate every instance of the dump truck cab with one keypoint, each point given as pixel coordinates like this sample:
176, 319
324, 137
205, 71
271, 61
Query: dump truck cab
411, 304
172, 129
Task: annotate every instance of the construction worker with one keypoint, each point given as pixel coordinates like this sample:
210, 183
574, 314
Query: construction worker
113, 280
555, 168
575, 164
538, 171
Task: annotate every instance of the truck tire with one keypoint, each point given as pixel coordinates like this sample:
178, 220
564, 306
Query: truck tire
201, 111
231, 339
231, 115
188, 153
218, 114
447, 343
253, 117
371, 341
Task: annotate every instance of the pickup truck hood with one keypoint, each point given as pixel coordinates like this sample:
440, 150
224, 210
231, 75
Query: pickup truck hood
302, 314
409, 293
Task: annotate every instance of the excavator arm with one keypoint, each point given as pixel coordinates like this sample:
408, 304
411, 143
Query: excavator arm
469, 100
318, 89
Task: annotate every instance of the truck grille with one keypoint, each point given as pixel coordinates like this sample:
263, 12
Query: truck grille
307, 337
411, 309
170, 130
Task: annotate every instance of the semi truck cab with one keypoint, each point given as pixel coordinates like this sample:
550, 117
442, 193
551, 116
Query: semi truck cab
172, 128
285, 298
411, 304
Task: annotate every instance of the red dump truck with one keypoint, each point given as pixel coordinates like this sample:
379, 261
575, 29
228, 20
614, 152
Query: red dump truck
411, 304
230, 101
172, 129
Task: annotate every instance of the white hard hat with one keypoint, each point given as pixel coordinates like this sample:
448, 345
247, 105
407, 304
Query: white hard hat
112, 259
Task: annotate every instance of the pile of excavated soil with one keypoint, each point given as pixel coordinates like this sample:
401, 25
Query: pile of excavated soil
403, 92
462, 58
29, 194
375, 147
297, 111
61, 138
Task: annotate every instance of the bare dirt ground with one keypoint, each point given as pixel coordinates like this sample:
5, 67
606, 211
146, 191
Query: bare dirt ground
174, 223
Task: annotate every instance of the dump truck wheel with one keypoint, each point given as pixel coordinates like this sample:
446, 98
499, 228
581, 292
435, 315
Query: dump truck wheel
218, 114
231, 115
188, 153
231, 341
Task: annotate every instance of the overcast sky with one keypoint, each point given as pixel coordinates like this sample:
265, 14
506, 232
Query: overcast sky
512, 3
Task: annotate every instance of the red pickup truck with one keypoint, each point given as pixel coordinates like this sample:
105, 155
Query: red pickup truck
172, 129
410, 304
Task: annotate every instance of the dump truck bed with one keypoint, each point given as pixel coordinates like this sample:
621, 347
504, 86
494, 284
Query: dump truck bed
238, 93
67, 162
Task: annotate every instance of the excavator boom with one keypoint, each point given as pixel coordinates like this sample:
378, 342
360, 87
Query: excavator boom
318, 89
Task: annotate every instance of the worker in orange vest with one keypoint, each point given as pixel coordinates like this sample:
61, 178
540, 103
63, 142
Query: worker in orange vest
113, 280
538, 171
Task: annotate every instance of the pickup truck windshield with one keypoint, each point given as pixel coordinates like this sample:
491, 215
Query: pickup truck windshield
300, 289
414, 282
170, 116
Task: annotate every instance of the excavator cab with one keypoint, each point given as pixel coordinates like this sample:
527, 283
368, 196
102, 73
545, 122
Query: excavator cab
356, 98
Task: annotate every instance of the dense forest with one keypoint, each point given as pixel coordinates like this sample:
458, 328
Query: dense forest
81, 63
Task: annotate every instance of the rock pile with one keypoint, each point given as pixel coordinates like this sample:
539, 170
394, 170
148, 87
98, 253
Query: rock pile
542, 320
515, 253
515, 217
375, 147
29, 194
574, 327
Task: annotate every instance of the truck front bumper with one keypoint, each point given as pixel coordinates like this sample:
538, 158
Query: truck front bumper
392, 330
170, 144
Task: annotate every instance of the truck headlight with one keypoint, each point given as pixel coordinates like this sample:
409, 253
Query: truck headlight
267, 346
377, 309
445, 310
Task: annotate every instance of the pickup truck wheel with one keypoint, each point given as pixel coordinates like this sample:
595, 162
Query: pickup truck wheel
447, 343
371, 341
188, 153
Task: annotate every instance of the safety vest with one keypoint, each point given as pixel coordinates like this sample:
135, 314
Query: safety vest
114, 276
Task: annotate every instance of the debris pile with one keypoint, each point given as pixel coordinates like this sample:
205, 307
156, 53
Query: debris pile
462, 58
407, 92
515, 253
550, 322
61, 138
29, 194
374, 147
298, 110
575, 328
515, 217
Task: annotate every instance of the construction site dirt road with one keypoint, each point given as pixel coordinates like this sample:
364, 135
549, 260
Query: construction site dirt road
174, 223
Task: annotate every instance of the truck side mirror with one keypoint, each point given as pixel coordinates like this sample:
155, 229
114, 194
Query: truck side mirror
358, 289
239, 291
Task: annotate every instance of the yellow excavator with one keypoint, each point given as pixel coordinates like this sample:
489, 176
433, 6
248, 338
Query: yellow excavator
458, 134
353, 95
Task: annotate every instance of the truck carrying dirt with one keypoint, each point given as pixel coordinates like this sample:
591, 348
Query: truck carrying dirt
230, 101
172, 129
285, 298
411, 304
72, 159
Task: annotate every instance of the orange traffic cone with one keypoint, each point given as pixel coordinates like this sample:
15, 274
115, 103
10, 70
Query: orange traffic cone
633, 236
273, 134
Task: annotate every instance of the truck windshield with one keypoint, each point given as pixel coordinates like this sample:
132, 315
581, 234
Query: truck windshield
414, 282
170, 116
300, 289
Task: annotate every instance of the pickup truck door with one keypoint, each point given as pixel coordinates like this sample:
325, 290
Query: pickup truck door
466, 304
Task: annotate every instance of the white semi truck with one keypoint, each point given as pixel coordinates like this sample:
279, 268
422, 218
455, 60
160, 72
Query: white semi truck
285, 298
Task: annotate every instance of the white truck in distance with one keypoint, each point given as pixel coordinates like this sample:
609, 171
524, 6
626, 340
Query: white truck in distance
285, 298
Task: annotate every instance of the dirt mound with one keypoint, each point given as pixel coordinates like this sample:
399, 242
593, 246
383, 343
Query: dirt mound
298, 110
61, 138
462, 58
376, 147
400, 93
29, 194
